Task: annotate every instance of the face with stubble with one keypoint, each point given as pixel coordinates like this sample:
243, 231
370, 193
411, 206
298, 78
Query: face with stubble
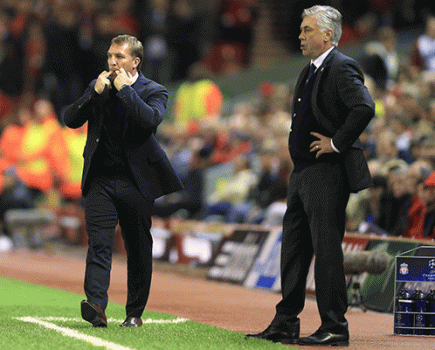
118, 57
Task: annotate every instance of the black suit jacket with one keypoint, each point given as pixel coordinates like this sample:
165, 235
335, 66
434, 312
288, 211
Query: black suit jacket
144, 105
343, 106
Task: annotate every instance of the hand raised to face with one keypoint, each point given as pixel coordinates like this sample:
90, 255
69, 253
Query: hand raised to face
102, 82
122, 78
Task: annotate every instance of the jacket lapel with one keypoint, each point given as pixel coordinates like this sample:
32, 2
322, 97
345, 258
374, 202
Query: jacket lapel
138, 85
321, 119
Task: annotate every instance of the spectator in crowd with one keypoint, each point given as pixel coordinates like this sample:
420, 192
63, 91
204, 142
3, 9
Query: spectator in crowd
13, 195
231, 48
229, 193
103, 33
425, 126
381, 60
264, 193
35, 51
417, 173
11, 139
124, 19
386, 146
401, 125
197, 99
423, 54
396, 200
87, 11
236, 24
62, 82
428, 197
43, 159
229, 145
71, 212
271, 192
11, 60
189, 202
157, 52
74, 140
183, 37
363, 211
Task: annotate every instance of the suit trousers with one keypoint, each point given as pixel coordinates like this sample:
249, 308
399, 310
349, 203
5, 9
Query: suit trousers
314, 224
111, 199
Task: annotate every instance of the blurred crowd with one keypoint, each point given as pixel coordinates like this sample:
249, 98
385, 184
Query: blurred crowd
399, 144
55, 47
235, 167
361, 18
49, 52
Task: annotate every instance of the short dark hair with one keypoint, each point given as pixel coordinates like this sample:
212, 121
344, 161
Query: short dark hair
136, 47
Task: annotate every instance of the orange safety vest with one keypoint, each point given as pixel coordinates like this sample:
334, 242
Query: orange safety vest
75, 141
43, 154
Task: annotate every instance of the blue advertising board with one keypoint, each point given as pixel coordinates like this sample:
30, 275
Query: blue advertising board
416, 268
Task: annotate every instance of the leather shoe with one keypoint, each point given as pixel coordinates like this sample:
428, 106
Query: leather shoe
325, 338
132, 322
93, 313
279, 334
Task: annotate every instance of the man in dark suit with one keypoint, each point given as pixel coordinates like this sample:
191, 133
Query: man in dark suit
331, 108
125, 169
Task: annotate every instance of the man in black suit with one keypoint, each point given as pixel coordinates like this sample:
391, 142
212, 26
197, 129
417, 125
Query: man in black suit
331, 108
125, 169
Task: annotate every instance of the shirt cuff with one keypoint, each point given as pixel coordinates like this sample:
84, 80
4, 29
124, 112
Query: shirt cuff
333, 147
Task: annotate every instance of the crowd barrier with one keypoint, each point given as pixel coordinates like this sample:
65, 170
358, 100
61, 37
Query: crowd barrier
249, 255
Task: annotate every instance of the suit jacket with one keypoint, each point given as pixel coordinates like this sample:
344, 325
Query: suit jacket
144, 104
343, 106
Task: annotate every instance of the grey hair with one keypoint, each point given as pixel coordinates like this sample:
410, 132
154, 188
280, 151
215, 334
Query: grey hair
328, 18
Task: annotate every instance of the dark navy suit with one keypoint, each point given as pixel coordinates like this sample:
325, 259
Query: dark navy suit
337, 105
125, 170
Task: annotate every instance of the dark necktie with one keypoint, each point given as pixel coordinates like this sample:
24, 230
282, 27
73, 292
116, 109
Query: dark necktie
310, 72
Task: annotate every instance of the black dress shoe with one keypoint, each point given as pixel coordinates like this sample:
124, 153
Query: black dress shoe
325, 338
93, 313
132, 322
279, 334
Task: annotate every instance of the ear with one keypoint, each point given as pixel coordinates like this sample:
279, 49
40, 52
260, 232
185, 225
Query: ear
327, 35
136, 62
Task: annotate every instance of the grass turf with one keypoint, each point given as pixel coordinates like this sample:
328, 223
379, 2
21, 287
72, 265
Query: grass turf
61, 310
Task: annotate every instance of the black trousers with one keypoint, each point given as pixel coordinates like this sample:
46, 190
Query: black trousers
113, 198
314, 223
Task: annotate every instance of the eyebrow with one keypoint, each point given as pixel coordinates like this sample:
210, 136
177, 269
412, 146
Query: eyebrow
305, 27
115, 54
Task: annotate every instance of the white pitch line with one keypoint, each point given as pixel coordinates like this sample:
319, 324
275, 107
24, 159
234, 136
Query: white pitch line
148, 320
74, 334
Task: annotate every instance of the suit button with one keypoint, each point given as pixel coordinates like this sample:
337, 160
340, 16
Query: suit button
98, 140
299, 99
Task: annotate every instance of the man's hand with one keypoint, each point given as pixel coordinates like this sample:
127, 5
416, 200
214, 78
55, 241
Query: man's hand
322, 145
122, 78
102, 82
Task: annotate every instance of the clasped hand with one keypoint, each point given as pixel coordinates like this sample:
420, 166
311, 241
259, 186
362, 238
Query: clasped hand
121, 78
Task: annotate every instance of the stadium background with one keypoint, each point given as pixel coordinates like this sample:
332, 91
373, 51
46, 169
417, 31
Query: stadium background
263, 52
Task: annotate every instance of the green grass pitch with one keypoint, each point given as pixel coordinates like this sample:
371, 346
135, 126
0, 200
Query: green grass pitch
37, 317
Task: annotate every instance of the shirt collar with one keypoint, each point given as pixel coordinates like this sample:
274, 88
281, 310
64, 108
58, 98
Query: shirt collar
134, 78
319, 60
